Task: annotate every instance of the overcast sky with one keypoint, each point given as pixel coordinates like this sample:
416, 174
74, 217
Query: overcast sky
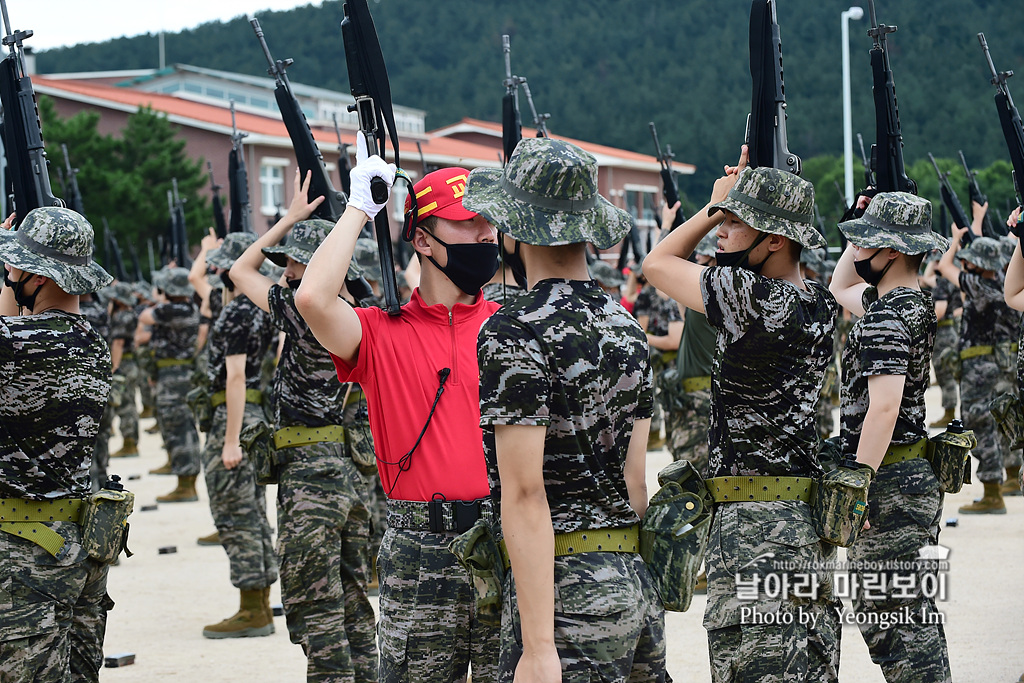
58, 23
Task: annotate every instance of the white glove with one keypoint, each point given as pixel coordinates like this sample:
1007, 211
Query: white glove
366, 169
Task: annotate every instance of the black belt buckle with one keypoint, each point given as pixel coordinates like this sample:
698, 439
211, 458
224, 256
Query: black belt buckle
466, 514
435, 515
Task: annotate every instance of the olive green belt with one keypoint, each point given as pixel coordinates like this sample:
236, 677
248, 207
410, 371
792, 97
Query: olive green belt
622, 540
765, 489
908, 451
168, 362
127, 356
27, 518
946, 323
251, 396
290, 437
975, 351
692, 384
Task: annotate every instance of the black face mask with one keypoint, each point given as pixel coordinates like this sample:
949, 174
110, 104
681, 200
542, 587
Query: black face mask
23, 300
293, 284
738, 259
515, 262
470, 264
869, 276
226, 279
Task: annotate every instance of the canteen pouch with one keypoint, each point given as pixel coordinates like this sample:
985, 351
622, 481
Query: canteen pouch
359, 443
674, 533
198, 400
118, 384
949, 360
949, 455
1009, 414
478, 554
257, 441
840, 503
670, 391
105, 524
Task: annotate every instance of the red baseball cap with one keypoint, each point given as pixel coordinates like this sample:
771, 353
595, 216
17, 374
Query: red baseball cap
440, 194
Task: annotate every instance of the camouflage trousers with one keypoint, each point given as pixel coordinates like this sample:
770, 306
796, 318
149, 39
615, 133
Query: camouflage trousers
946, 337
53, 613
177, 424
128, 411
357, 427
981, 380
101, 455
323, 527
429, 631
770, 636
609, 622
687, 429
904, 508
239, 508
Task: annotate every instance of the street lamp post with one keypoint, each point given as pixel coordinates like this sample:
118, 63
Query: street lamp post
855, 13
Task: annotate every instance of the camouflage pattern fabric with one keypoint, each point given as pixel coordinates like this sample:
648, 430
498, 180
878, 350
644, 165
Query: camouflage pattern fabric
981, 380
53, 614
776, 202
68, 237
566, 356
429, 631
662, 311
897, 220
905, 508
368, 258
750, 542
547, 194
946, 338
231, 248
101, 455
606, 274
241, 328
123, 324
609, 623
686, 427
239, 508
175, 282
302, 241
894, 337
774, 343
175, 329
984, 252
823, 410
498, 291
323, 528
589, 413
47, 436
177, 424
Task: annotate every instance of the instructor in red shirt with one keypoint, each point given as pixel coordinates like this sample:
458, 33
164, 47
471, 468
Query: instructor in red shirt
419, 373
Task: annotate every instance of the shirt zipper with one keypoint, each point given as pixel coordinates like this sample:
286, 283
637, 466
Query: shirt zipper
455, 355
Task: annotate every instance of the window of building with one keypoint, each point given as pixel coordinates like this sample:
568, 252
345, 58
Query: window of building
272, 184
642, 204
193, 88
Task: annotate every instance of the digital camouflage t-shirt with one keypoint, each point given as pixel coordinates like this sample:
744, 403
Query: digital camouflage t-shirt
241, 328
774, 344
175, 329
566, 356
895, 337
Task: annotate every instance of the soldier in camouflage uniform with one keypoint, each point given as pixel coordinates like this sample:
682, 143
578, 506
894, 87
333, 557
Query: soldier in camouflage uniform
987, 329
509, 281
175, 325
660, 317
238, 341
123, 323
608, 277
566, 398
54, 379
815, 266
774, 342
885, 375
323, 519
96, 313
419, 373
143, 353
946, 353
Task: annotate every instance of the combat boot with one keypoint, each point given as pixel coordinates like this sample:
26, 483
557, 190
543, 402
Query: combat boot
946, 418
163, 469
249, 621
267, 609
656, 443
153, 429
212, 539
147, 412
184, 492
989, 504
701, 587
129, 449
1011, 487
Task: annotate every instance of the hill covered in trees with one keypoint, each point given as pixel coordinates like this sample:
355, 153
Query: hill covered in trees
604, 68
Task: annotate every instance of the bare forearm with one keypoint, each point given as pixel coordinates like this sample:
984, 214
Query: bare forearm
530, 540
234, 392
876, 434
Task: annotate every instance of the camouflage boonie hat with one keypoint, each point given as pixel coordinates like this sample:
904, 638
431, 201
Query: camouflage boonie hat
303, 240
123, 293
230, 249
144, 289
271, 270
367, 258
606, 274
175, 282
895, 220
708, 246
1008, 245
984, 252
546, 196
56, 243
813, 259
776, 202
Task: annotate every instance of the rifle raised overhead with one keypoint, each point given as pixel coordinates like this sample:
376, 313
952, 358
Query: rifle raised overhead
766, 136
